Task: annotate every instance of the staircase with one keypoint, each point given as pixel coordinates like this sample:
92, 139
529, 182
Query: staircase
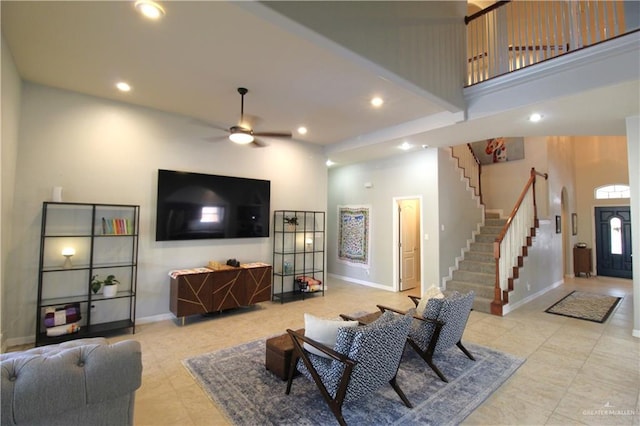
477, 270
491, 278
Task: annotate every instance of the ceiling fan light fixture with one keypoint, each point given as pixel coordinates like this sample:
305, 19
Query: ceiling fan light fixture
241, 138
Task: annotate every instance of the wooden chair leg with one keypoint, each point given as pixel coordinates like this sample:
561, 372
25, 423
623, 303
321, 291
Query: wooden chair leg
427, 356
335, 404
466, 352
292, 370
436, 369
403, 397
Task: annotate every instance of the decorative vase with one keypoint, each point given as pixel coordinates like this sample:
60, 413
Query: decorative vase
110, 290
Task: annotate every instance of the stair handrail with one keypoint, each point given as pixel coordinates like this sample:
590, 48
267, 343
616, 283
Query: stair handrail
520, 224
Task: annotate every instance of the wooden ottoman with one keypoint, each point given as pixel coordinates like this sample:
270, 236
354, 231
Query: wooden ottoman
278, 354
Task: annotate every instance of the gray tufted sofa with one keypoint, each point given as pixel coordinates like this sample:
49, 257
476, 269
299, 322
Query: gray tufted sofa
80, 382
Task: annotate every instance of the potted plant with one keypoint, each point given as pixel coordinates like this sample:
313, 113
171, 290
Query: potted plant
109, 284
96, 284
291, 222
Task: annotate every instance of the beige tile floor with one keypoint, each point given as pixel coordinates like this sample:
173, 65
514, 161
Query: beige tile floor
576, 372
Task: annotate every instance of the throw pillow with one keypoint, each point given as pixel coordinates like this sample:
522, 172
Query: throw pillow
324, 331
432, 293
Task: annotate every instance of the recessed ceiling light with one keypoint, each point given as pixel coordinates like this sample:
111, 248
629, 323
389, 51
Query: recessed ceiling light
405, 146
535, 117
123, 87
302, 130
377, 101
149, 9
329, 163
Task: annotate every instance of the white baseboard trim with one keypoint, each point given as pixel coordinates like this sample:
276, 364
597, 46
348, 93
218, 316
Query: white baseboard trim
27, 340
361, 282
510, 307
18, 341
155, 318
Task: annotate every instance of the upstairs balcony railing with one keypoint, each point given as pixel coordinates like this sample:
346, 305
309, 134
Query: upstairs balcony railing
510, 35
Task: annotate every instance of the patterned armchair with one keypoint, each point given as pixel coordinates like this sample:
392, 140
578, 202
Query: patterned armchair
439, 327
364, 359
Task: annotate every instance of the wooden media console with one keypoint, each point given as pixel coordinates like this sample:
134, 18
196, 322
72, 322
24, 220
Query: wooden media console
218, 287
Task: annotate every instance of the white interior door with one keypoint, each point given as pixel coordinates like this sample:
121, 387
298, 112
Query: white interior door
409, 214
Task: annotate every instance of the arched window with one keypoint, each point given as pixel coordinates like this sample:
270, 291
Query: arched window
612, 191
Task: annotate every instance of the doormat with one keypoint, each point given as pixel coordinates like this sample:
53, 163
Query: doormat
586, 306
248, 394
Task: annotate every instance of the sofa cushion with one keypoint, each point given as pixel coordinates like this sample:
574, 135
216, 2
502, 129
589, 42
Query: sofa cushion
52, 381
323, 331
431, 293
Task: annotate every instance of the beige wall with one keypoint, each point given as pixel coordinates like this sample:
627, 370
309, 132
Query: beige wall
460, 213
576, 166
10, 107
633, 147
109, 152
449, 213
502, 183
413, 175
600, 160
562, 200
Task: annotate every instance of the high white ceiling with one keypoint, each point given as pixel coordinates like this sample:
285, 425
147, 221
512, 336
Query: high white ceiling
193, 60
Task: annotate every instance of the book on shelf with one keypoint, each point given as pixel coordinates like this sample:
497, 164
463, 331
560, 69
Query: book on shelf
117, 226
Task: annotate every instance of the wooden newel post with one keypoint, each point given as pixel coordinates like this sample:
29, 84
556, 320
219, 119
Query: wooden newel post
496, 305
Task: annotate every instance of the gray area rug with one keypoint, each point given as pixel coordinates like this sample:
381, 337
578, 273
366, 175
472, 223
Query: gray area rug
586, 306
236, 379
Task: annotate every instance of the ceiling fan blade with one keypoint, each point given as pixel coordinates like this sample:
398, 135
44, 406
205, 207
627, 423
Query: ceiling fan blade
204, 123
217, 138
273, 134
257, 143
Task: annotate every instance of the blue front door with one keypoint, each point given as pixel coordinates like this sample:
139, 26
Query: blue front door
613, 241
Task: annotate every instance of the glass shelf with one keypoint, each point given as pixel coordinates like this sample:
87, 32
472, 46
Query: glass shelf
81, 226
298, 249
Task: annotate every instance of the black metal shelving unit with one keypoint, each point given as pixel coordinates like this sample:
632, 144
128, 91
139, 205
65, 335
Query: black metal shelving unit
298, 251
105, 240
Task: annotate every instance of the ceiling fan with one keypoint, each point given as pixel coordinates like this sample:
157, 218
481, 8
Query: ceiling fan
243, 134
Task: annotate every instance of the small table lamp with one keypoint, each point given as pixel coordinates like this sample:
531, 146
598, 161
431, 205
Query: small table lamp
68, 252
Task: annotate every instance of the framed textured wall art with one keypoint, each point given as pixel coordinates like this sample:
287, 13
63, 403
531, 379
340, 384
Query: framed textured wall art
498, 150
353, 235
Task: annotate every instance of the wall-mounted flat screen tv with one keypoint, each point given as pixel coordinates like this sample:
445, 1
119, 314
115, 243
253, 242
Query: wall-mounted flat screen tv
199, 206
